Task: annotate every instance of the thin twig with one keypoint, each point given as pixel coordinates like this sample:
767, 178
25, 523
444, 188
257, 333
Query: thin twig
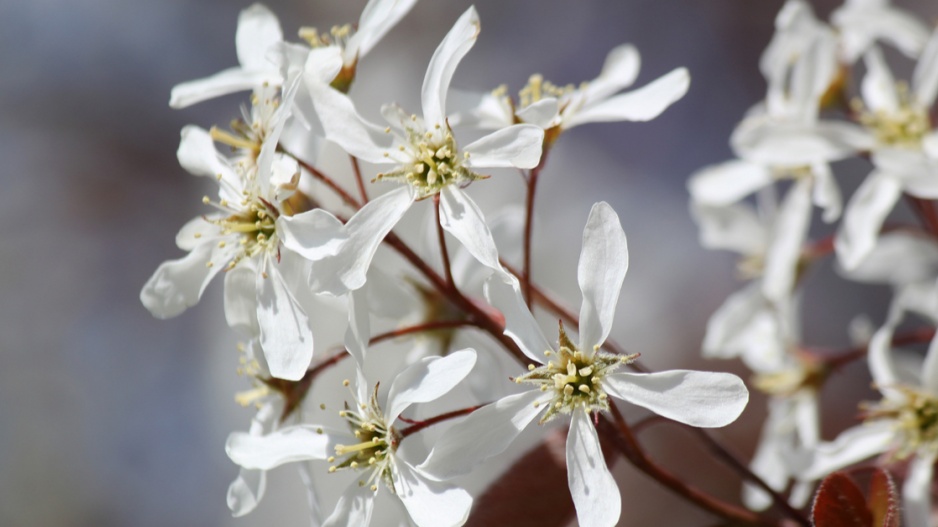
358, 178
441, 235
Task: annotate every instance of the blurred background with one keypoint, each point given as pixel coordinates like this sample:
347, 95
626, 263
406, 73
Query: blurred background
111, 417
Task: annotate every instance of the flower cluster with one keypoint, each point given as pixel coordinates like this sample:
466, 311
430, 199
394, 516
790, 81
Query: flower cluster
295, 242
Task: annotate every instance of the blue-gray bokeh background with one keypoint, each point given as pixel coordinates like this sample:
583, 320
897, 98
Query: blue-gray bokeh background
111, 417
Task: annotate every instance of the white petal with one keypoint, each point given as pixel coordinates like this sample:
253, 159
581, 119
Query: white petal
852, 445
925, 76
487, 432
788, 235
285, 336
594, 491
604, 260
728, 182
744, 325
642, 104
861, 23
879, 86
826, 194
866, 211
619, 71
480, 110
258, 30
354, 507
246, 491
792, 144
224, 82
461, 217
378, 17
428, 380
178, 284
198, 231
359, 325
241, 298
313, 234
768, 463
293, 443
735, 227
430, 503
447, 56
898, 258
916, 491
515, 146
696, 398
343, 124
504, 293
197, 154
348, 268
544, 113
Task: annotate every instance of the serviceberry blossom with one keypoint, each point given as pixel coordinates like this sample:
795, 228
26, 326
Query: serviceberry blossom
557, 108
254, 194
577, 380
370, 451
427, 162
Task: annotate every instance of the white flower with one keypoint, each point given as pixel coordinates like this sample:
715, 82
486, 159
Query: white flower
427, 162
371, 449
862, 22
905, 149
243, 239
548, 106
265, 58
905, 422
578, 379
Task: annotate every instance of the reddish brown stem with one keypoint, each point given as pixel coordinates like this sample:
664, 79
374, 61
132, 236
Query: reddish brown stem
420, 425
528, 233
620, 435
420, 328
359, 179
441, 236
839, 359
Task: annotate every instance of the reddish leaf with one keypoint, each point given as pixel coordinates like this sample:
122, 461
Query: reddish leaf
840, 503
533, 492
884, 500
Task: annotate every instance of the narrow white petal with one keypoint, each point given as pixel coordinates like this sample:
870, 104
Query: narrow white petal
430, 503
788, 235
826, 193
604, 260
925, 76
696, 398
258, 30
447, 56
354, 507
198, 231
428, 380
745, 325
863, 218
852, 445
224, 82
197, 154
795, 143
879, 86
735, 227
178, 284
930, 368
343, 124
619, 71
768, 462
642, 104
285, 336
461, 217
246, 491
241, 299
504, 293
594, 491
515, 146
359, 325
897, 258
485, 433
728, 182
544, 113
916, 491
293, 443
347, 269
861, 23
378, 17
313, 234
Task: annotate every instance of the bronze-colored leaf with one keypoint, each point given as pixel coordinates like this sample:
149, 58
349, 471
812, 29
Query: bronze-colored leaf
884, 500
840, 503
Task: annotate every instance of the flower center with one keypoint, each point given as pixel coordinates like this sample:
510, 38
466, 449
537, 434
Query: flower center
434, 161
372, 453
906, 127
537, 88
916, 419
574, 377
256, 226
